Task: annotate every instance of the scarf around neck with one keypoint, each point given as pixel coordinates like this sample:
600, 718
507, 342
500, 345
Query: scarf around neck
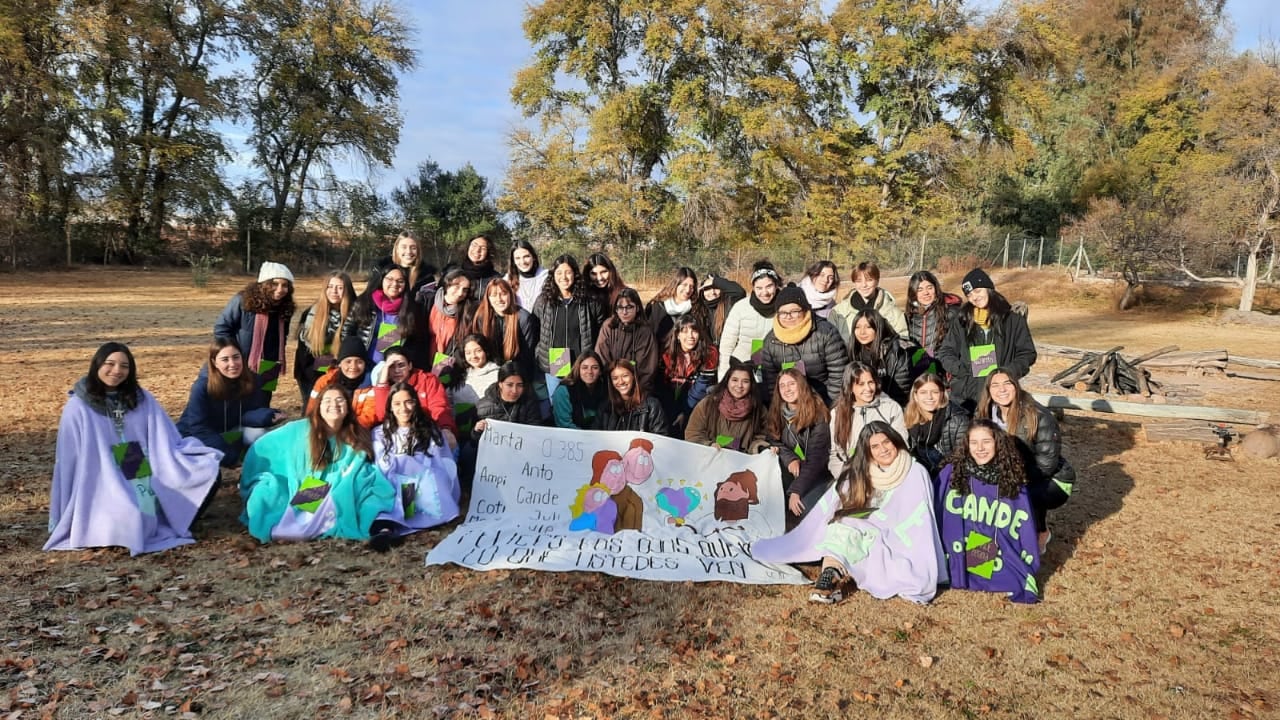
982, 318
988, 473
477, 272
444, 307
820, 302
766, 311
674, 308
388, 306
884, 479
855, 299
734, 409
795, 335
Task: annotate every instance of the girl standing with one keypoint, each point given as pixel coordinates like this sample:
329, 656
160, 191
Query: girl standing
525, 273
867, 293
688, 372
320, 332
718, 296
988, 335
509, 329
477, 263
800, 340
750, 319
450, 314
820, 283
877, 346
382, 317
568, 321
123, 476
675, 300
602, 280
406, 254
627, 336
257, 318
930, 314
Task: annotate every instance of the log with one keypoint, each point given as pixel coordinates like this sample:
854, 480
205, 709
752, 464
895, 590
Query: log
1180, 431
1246, 375
1254, 362
1153, 354
1190, 412
1073, 369
1164, 357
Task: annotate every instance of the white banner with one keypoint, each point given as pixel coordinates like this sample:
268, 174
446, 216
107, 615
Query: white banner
628, 504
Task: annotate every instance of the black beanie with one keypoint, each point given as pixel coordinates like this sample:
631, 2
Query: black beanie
977, 278
352, 346
792, 295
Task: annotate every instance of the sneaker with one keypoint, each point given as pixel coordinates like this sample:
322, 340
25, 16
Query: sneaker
1044, 538
383, 540
826, 589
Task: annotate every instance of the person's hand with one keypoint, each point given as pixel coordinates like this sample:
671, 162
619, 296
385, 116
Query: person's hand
481, 425
278, 417
774, 449
450, 439
795, 504
379, 374
794, 468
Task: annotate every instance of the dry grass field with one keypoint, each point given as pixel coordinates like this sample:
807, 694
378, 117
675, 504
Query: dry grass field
1160, 590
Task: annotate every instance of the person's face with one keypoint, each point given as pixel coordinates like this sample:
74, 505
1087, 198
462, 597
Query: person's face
731, 490
398, 368
626, 310
457, 291
865, 284
334, 291
684, 290
929, 397
790, 315
589, 371
982, 445
788, 389
688, 337
114, 370
564, 279
864, 332
711, 293
478, 250
1002, 389
864, 389
623, 381
979, 297
403, 404
825, 280
739, 384
333, 408
393, 284
499, 299
407, 251
475, 355
883, 451
280, 289
523, 259
511, 389
926, 293
229, 362
352, 367
765, 289
600, 276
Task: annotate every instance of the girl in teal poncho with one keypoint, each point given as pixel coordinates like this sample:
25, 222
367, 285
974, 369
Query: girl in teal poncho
315, 478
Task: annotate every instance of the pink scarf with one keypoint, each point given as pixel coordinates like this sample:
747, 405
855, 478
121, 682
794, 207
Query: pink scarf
734, 409
259, 336
388, 306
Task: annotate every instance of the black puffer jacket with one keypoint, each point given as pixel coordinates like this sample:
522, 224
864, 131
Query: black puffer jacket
555, 334
925, 327
524, 411
646, 418
931, 442
1015, 352
822, 352
893, 371
814, 442
1042, 454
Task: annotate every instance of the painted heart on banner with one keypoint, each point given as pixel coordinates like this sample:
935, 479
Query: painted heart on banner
678, 502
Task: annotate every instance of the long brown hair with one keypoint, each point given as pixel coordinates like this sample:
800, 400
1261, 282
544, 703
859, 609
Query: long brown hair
486, 320
411, 282
256, 298
350, 433
1021, 418
222, 387
631, 401
843, 407
914, 414
854, 485
810, 409
320, 311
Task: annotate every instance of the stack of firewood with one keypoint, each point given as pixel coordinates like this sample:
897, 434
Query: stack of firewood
1111, 373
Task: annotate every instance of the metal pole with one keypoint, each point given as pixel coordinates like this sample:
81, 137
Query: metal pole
1040, 256
1059, 263
248, 250
1006, 251
1022, 263
923, 239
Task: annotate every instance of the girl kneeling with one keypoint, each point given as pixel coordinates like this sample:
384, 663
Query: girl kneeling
315, 478
876, 526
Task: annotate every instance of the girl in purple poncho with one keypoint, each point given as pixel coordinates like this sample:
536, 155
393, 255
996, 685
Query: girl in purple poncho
875, 526
123, 476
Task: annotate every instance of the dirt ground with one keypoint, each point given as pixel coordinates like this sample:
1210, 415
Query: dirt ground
1160, 588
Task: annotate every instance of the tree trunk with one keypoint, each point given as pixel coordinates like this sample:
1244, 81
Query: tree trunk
1250, 282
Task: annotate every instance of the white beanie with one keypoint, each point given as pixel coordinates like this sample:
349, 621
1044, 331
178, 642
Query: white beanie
273, 270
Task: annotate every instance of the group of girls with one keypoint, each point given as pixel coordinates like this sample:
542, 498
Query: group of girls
399, 382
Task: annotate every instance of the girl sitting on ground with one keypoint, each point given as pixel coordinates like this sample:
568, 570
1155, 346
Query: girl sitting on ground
935, 425
508, 400
122, 475
797, 425
629, 407
410, 451
223, 411
578, 400
731, 416
689, 367
876, 526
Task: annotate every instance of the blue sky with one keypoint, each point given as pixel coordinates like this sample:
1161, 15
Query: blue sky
457, 106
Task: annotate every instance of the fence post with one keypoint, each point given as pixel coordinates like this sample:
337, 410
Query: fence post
1006, 251
1059, 263
248, 250
923, 239
1040, 256
1022, 262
